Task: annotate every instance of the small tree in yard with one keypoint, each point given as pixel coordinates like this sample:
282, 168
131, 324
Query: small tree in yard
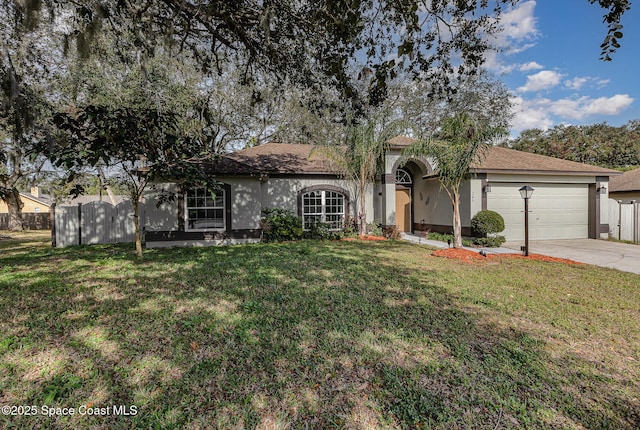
461, 141
361, 158
143, 144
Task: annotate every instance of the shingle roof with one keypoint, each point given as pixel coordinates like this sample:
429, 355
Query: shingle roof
286, 158
273, 158
628, 181
506, 160
43, 199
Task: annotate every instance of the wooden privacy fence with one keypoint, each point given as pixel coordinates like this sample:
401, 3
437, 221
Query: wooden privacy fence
94, 223
624, 220
30, 221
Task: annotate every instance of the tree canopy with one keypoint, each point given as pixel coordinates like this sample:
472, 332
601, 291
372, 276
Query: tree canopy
599, 144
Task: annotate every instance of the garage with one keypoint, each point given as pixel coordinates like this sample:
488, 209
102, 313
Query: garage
556, 211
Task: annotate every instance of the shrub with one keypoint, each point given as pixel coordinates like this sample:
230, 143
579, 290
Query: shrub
392, 233
443, 237
320, 231
374, 229
490, 242
485, 223
279, 225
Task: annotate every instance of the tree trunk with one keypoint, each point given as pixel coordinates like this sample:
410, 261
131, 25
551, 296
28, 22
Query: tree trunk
457, 225
14, 207
363, 207
104, 185
136, 220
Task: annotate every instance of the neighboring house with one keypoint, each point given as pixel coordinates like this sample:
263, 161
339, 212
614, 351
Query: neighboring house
569, 201
626, 187
34, 202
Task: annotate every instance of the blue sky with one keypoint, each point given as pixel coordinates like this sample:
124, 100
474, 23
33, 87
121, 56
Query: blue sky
551, 64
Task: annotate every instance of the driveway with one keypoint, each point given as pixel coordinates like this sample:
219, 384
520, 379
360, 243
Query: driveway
615, 255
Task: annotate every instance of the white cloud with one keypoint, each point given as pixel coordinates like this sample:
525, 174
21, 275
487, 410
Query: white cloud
543, 113
608, 106
518, 27
541, 81
519, 23
532, 65
530, 114
576, 83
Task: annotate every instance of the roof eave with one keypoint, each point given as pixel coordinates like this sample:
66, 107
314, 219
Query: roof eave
548, 172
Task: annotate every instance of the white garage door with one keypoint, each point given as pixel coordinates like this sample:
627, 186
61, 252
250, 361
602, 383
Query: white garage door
556, 211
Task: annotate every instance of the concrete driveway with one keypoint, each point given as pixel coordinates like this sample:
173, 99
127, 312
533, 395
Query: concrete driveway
615, 255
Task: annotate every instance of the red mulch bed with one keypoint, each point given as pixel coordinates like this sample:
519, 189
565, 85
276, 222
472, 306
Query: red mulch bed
365, 238
473, 256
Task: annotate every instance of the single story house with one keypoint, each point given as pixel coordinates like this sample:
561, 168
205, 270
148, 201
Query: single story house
34, 202
625, 187
569, 201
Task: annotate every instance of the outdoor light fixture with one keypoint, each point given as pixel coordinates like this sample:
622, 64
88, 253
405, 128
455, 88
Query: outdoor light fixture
602, 189
526, 192
487, 188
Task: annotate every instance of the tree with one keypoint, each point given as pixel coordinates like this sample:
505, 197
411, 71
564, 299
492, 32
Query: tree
599, 144
146, 145
482, 96
361, 157
25, 61
461, 141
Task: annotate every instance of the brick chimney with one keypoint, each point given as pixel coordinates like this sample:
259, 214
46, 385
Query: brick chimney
35, 191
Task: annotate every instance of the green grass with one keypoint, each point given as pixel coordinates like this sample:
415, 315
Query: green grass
315, 335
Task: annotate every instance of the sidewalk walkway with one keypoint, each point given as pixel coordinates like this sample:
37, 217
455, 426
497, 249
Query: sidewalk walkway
438, 244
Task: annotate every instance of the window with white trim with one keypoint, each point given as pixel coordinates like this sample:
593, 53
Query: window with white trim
323, 206
204, 209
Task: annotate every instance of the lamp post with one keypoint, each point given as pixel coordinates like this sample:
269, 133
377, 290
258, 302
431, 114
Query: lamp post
525, 193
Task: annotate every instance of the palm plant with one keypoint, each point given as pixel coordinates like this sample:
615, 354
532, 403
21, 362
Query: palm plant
461, 141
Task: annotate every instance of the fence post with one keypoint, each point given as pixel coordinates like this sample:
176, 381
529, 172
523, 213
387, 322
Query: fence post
635, 221
79, 223
619, 219
52, 224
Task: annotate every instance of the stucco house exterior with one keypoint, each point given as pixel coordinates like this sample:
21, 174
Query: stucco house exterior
34, 202
626, 187
569, 201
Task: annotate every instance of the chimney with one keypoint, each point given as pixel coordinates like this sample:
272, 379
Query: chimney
35, 191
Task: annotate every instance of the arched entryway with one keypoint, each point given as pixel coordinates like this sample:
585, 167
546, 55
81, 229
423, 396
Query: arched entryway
404, 185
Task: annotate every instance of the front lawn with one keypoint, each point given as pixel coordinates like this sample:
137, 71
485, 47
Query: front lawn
313, 335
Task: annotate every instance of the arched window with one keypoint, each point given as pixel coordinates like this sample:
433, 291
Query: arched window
323, 206
403, 177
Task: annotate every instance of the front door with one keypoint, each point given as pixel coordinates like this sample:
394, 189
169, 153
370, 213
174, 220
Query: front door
403, 209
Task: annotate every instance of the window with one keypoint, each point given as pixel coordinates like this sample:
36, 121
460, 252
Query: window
323, 206
204, 209
403, 177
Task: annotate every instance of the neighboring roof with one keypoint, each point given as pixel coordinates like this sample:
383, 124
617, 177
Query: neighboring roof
44, 200
504, 160
273, 158
628, 181
92, 198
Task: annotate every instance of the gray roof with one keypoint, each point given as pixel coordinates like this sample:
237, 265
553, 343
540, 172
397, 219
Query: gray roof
628, 181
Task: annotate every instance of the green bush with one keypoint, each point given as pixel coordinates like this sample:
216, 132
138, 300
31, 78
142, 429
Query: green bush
443, 237
490, 242
320, 231
280, 225
485, 223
